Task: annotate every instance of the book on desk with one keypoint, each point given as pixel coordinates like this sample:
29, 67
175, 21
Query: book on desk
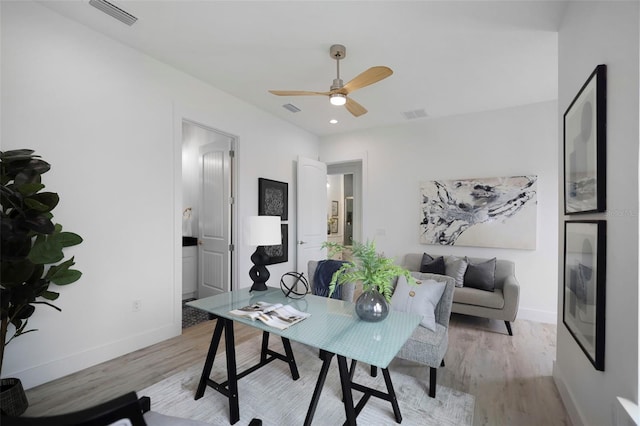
274, 315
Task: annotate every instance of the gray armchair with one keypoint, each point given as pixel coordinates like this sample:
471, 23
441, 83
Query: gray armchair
424, 346
429, 347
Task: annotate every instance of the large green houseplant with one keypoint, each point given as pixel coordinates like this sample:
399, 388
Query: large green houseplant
373, 270
32, 245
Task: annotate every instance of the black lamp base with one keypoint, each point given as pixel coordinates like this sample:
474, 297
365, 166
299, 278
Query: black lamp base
258, 272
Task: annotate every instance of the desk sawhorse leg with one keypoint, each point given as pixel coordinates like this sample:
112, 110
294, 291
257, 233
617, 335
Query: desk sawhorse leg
347, 385
230, 387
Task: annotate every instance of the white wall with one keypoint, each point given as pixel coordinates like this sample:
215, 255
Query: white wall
515, 141
105, 117
595, 33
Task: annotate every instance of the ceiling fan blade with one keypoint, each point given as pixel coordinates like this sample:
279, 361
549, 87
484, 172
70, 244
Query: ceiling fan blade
297, 93
355, 108
370, 76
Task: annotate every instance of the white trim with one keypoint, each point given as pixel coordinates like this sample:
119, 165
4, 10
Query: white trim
536, 315
567, 398
46, 372
626, 413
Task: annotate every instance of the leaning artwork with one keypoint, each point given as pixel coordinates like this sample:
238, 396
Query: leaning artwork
488, 212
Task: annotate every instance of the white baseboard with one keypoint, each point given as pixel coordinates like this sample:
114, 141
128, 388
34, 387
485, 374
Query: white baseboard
538, 316
567, 398
62, 367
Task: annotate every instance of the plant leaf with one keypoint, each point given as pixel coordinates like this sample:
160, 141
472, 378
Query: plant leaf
30, 188
68, 239
45, 251
66, 277
50, 295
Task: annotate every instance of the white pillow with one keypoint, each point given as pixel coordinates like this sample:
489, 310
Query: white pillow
455, 267
420, 299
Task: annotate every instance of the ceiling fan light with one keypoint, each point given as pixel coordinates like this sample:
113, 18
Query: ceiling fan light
338, 99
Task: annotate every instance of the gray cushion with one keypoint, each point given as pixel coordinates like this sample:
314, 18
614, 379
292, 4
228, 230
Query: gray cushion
433, 266
480, 275
455, 267
426, 346
475, 297
420, 299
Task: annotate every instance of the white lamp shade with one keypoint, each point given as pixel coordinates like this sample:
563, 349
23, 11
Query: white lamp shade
262, 231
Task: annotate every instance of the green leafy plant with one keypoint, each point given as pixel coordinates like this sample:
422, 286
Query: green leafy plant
32, 244
372, 269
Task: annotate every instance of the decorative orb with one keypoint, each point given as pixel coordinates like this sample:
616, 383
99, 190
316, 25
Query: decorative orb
291, 283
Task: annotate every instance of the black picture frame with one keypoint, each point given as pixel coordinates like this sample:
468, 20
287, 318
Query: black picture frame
273, 198
334, 225
279, 253
334, 208
585, 137
584, 300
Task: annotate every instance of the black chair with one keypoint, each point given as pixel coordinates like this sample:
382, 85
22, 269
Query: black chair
125, 407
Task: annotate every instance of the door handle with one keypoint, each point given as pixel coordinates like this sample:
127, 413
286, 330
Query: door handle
302, 242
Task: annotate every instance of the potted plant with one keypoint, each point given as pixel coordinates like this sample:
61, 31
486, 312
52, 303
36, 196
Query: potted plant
374, 271
32, 255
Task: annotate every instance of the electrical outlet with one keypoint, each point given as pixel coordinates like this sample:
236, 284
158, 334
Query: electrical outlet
136, 306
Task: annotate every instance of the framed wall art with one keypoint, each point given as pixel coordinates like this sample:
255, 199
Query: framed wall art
585, 133
279, 253
273, 198
334, 208
584, 286
334, 225
483, 212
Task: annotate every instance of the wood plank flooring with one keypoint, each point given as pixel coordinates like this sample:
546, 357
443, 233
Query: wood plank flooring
509, 376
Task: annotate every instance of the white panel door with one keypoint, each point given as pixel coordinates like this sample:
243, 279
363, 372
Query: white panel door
311, 212
215, 210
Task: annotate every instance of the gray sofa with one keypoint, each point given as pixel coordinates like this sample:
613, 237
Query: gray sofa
424, 346
501, 304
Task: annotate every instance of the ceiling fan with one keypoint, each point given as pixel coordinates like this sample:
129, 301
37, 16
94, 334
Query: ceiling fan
338, 92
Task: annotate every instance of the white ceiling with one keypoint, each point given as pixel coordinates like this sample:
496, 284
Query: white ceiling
448, 57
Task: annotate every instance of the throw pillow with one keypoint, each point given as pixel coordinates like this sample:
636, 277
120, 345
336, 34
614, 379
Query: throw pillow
480, 275
420, 299
436, 266
455, 267
426, 259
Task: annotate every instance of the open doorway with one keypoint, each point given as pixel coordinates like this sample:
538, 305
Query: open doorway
344, 198
207, 211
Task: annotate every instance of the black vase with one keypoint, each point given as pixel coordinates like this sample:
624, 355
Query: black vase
371, 306
13, 400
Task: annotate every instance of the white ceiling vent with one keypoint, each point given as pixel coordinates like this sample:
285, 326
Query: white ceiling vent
114, 11
291, 107
416, 113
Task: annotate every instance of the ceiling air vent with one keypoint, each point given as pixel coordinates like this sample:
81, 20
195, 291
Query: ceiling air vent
114, 11
291, 107
416, 113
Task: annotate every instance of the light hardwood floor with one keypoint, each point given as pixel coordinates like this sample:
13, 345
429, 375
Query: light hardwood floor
510, 377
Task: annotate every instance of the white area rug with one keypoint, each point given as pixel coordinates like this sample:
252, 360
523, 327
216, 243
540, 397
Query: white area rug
271, 395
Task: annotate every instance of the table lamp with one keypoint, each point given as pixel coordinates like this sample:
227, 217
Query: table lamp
261, 231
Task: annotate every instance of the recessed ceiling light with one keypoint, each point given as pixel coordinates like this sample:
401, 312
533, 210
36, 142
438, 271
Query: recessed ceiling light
333, 121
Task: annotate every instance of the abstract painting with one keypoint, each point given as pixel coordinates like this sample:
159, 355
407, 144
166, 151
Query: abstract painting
486, 212
273, 198
585, 132
584, 286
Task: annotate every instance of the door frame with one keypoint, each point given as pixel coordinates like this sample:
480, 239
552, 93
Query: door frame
200, 118
345, 165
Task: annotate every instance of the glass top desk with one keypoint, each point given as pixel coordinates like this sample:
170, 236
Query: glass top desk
333, 327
